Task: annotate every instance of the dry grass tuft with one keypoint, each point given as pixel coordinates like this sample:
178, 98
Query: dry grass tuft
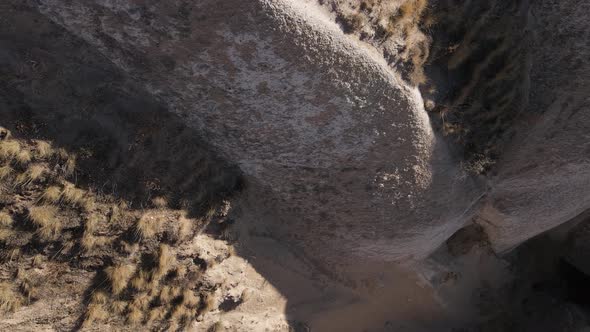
5, 171
6, 234
5, 219
160, 202
157, 314
27, 288
141, 300
70, 166
32, 174
119, 276
43, 150
185, 228
181, 316
45, 217
23, 157
73, 195
91, 224
412, 10
52, 195
10, 299
9, 149
119, 307
169, 293
38, 260
141, 281
148, 226
134, 316
189, 299
95, 313
166, 261
99, 297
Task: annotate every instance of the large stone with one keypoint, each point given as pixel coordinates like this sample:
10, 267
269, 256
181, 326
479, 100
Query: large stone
338, 150
543, 178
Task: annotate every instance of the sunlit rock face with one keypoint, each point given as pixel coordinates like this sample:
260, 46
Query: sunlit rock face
338, 150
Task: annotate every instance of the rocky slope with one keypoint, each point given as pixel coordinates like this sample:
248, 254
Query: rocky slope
369, 160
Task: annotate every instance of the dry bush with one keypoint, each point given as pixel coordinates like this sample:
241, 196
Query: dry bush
148, 226
92, 221
52, 195
6, 234
141, 300
45, 217
95, 313
180, 316
9, 149
189, 299
160, 202
10, 299
38, 260
119, 276
5, 171
23, 157
27, 288
157, 314
119, 307
169, 293
32, 174
185, 228
412, 10
99, 297
43, 150
72, 195
141, 281
70, 166
166, 261
88, 241
134, 316
5, 219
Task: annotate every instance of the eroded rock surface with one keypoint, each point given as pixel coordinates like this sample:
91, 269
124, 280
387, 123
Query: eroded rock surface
334, 141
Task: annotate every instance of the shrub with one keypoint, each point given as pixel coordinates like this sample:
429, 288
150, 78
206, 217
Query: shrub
23, 157
148, 226
5, 171
10, 299
32, 174
43, 150
5, 219
119, 276
52, 195
9, 149
45, 217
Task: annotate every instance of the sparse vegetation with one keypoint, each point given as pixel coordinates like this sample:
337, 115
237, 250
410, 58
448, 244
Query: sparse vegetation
43, 150
119, 276
52, 195
33, 173
82, 226
148, 226
10, 299
5, 219
9, 149
404, 21
45, 218
5, 171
